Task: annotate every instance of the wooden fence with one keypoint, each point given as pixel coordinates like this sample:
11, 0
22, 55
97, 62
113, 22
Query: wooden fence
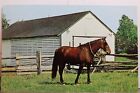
131, 65
111, 66
29, 67
99, 66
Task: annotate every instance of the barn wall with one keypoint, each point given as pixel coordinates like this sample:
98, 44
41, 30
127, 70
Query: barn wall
6, 48
88, 26
46, 45
6, 51
29, 46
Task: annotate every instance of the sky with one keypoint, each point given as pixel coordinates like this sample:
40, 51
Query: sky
110, 15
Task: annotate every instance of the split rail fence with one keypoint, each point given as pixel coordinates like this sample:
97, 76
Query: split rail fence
128, 65
99, 66
28, 67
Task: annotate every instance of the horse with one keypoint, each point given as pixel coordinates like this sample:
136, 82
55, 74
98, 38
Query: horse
83, 54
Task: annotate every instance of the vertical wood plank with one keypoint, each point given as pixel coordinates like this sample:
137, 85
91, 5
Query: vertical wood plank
17, 63
38, 60
95, 68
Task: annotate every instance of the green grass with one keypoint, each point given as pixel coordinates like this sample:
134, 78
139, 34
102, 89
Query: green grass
123, 59
101, 82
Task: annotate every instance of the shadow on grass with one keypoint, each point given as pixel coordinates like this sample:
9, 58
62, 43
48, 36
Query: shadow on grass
58, 83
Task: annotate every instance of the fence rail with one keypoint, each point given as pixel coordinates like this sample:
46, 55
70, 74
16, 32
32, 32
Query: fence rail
28, 66
106, 66
135, 56
101, 65
122, 65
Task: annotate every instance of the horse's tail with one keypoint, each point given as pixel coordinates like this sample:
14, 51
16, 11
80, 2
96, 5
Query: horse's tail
55, 65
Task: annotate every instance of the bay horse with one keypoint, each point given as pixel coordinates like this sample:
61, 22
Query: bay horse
80, 55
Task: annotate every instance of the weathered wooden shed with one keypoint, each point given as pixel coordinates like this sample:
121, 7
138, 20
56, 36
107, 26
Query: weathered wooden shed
47, 34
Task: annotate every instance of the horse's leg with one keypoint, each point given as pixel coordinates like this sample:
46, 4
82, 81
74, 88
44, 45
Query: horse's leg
88, 73
79, 72
61, 68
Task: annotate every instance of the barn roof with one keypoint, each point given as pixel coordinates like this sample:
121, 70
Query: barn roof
50, 26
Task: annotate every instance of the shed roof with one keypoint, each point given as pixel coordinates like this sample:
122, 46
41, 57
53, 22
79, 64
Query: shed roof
50, 26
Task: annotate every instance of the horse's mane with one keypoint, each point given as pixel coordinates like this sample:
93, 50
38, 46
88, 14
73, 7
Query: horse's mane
87, 44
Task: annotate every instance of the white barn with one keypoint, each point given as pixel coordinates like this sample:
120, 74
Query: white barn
47, 34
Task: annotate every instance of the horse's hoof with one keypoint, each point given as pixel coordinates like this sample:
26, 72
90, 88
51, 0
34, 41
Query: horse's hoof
89, 82
76, 84
63, 84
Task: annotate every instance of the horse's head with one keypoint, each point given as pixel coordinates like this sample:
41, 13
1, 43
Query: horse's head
105, 46
95, 45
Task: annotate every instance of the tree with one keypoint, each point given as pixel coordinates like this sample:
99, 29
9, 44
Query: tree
126, 36
5, 23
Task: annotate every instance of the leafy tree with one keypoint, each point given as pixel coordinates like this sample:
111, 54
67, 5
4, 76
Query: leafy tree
5, 23
126, 37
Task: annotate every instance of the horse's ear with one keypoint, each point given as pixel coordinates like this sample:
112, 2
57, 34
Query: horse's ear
103, 38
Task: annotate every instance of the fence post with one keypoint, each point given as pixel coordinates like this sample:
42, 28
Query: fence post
95, 68
38, 60
17, 62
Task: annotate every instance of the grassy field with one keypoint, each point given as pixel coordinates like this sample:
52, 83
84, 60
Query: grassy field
124, 59
114, 82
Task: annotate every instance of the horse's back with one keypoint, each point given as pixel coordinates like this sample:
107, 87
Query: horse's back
67, 51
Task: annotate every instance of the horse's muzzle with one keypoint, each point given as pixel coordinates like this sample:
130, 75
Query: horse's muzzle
108, 52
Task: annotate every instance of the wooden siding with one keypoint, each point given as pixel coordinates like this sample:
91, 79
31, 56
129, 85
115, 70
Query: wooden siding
29, 46
6, 50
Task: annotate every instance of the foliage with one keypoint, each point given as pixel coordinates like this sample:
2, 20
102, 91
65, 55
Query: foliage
126, 37
5, 23
101, 82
